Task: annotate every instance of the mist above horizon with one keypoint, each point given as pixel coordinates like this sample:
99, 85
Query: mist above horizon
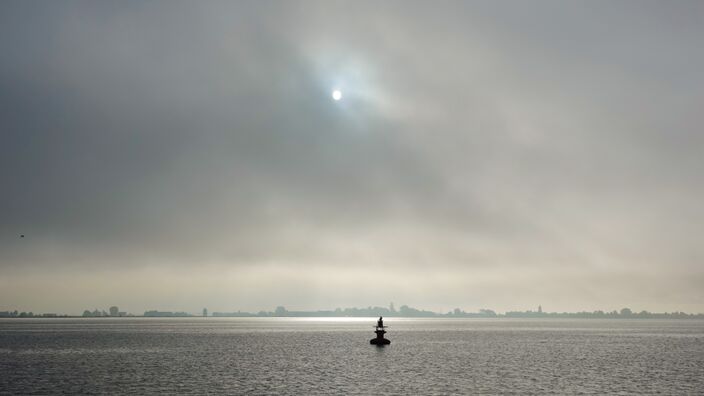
176, 155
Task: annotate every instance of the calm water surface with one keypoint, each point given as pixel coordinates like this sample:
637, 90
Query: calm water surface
323, 356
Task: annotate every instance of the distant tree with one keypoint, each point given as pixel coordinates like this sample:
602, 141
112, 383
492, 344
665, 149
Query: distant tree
280, 311
487, 312
87, 313
114, 311
626, 312
405, 310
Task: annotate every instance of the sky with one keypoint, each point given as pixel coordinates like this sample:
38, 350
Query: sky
176, 155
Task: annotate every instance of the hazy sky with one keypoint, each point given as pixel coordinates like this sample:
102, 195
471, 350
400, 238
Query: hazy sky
179, 155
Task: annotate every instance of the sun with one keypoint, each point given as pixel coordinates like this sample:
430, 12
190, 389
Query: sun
337, 94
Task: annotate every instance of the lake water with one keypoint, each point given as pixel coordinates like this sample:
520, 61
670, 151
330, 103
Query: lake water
322, 356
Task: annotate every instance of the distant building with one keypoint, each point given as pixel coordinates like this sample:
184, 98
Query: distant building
540, 309
205, 312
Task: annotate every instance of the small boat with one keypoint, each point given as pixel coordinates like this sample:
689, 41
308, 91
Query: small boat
379, 330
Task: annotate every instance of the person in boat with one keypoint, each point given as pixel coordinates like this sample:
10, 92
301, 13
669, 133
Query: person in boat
380, 323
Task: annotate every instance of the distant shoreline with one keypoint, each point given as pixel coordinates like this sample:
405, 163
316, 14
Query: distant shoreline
403, 312
502, 317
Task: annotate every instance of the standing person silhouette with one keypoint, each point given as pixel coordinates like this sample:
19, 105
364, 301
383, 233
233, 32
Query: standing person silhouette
380, 323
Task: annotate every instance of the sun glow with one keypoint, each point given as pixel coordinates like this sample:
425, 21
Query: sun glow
337, 94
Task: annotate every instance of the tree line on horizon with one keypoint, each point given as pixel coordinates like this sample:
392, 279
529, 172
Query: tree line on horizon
403, 311
406, 311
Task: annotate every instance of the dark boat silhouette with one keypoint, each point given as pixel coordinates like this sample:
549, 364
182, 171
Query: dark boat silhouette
379, 330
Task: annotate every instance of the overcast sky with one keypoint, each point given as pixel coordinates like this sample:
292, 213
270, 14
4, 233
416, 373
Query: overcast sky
179, 155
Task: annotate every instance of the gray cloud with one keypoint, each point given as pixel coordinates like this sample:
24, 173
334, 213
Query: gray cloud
484, 154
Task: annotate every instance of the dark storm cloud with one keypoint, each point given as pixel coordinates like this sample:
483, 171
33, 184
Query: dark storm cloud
485, 140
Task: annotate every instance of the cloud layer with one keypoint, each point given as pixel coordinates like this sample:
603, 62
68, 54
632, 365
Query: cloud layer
174, 155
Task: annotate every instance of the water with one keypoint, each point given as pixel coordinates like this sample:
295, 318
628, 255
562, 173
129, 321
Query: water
322, 356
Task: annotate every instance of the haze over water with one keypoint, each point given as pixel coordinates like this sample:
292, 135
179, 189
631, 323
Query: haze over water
322, 356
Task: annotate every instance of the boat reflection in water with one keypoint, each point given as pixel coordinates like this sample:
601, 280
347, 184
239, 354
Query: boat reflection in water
380, 340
